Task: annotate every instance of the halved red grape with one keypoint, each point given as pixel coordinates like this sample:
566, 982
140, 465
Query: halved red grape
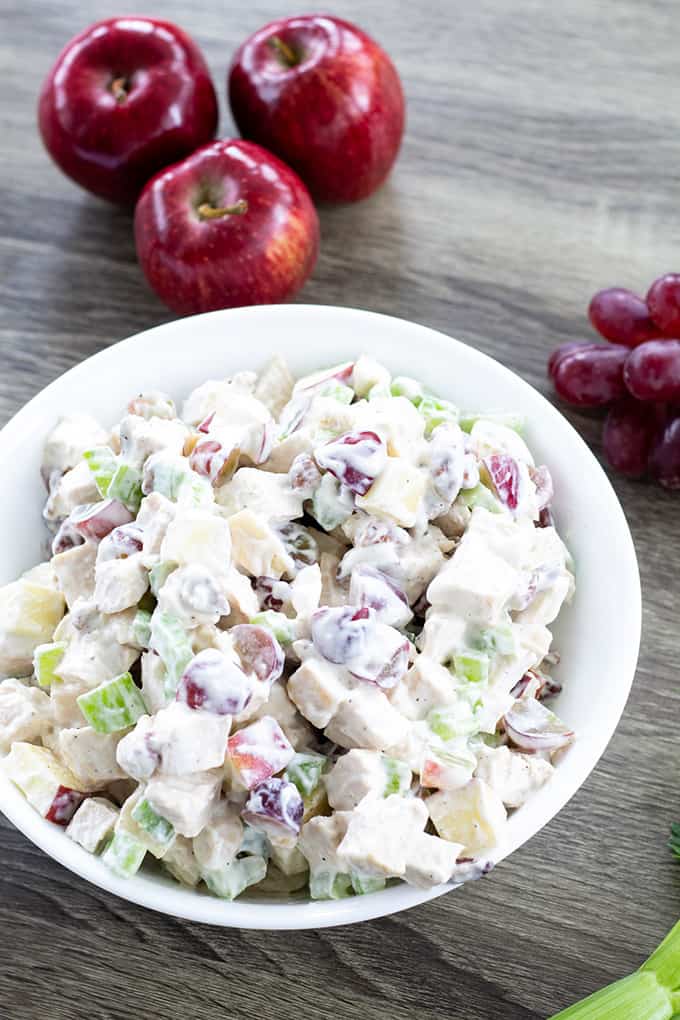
212, 460
384, 659
652, 372
532, 727
259, 651
663, 301
66, 538
621, 316
664, 461
122, 542
96, 520
213, 682
340, 633
276, 808
372, 589
355, 458
303, 473
273, 594
567, 348
628, 435
591, 377
504, 474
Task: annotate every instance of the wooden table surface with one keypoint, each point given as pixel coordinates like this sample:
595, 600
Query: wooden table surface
539, 164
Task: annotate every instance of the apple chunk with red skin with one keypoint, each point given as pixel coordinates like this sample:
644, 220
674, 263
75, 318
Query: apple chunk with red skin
323, 96
125, 98
230, 225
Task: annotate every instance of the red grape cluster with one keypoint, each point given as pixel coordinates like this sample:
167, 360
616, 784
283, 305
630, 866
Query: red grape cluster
638, 378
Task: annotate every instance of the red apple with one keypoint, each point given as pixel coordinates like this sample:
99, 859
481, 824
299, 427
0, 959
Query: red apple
324, 97
230, 225
125, 98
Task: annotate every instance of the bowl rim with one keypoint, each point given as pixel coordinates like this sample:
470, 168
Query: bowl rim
166, 896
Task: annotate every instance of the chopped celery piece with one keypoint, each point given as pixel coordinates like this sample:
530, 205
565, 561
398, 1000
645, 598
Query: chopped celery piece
436, 412
254, 843
159, 828
363, 884
472, 667
159, 574
46, 658
279, 624
305, 770
330, 507
457, 720
329, 885
172, 643
397, 776
102, 462
124, 855
114, 705
499, 639
168, 479
230, 880
480, 496
512, 421
126, 486
651, 993
404, 386
141, 628
337, 391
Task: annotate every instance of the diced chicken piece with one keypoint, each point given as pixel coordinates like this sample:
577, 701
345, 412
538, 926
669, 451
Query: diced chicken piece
368, 373
120, 583
182, 740
257, 549
68, 440
181, 862
472, 815
64, 702
24, 713
427, 685
431, 860
218, 842
155, 514
91, 756
359, 774
75, 572
318, 688
134, 753
265, 494
29, 614
319, 841
94, 655
142, 437
512, 775
396, 493
198, 537
367, 719
230, 400
419, 562
274, 386
73, 489
289, 860
153, 682
185, 801
280, 707
93, 822
380, 834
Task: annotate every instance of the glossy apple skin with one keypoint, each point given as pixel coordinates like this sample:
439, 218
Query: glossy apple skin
113, 147
262, 256
336, 116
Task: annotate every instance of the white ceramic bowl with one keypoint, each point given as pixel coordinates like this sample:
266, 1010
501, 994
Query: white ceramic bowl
598, 635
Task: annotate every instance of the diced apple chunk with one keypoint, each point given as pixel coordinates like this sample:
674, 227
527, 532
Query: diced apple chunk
472, 815
197, 536
93, 823
396, 493
256, 548
29, 614
49, 787
24, 713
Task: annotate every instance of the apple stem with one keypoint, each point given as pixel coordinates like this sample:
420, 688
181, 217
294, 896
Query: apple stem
119, 88
286, 52
211, 212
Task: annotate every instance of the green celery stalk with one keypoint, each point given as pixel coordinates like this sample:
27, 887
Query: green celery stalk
651, 993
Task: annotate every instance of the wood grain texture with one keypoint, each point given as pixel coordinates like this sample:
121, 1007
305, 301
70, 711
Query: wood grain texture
540, 163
